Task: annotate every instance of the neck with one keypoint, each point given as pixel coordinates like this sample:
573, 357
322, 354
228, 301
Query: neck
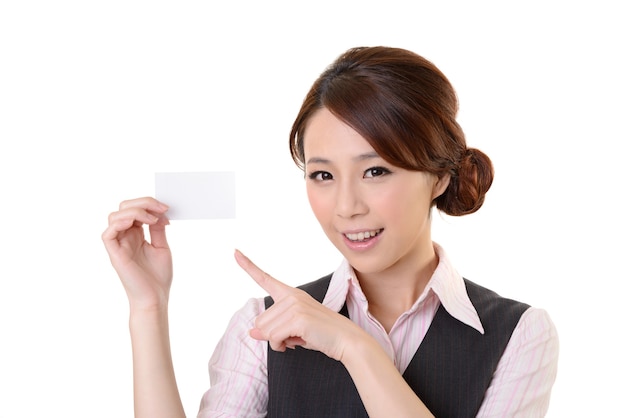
392, 292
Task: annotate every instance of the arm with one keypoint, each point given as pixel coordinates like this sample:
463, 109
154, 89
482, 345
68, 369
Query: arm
297, 319
382, 389
154, 383
523, 380
145, 270
238, 370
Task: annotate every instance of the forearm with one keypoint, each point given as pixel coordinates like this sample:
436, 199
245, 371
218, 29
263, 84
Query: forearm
382, 388
155, 389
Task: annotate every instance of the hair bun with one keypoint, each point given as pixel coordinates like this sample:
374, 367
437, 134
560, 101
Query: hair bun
469, 184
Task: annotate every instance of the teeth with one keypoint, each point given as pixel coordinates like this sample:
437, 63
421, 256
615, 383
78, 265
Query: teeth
363, 235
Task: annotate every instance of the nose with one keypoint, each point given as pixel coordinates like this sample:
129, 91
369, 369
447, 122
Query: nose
350, 201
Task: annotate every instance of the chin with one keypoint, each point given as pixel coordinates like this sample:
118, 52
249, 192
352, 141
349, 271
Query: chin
365, 266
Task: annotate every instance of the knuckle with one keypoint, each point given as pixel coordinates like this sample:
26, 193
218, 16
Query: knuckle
124, 204
111, 217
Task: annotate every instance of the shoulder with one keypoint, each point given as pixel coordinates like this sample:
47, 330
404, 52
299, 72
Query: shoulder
498, 315
526, 373
537, 338
489, 302
245, 316
535, 324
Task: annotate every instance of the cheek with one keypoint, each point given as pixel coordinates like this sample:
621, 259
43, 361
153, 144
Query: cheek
319, 203
402, 204
391, 202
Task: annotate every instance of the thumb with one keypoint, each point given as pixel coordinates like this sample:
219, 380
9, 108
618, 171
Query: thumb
157, 233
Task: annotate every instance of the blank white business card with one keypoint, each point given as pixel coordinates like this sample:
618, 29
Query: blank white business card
197, 195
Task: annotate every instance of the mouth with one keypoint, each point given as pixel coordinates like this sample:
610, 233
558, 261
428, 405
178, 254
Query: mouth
363, 236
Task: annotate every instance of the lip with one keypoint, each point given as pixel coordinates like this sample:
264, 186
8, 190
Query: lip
361, 245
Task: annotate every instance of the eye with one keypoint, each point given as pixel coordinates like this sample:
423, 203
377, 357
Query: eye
376, 172
320, 176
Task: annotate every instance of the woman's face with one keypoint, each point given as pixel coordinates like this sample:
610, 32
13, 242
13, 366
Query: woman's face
376, 214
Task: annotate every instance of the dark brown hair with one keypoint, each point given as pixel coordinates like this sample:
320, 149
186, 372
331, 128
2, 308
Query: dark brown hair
406, 109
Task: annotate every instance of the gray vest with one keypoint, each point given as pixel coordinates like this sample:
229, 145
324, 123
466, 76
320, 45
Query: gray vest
450, 372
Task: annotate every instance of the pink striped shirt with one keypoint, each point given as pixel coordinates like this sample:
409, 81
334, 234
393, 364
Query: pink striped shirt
520, 387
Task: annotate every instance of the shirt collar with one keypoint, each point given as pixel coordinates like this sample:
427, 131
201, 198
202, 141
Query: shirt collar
449, 287
446, 284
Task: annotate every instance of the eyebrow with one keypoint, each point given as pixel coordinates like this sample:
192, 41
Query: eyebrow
360, 157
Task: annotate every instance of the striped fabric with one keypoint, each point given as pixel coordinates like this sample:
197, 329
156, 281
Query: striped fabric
520, 387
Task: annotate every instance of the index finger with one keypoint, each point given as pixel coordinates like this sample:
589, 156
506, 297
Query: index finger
274, 287
147, 203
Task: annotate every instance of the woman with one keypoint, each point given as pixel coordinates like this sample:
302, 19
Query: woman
395, 331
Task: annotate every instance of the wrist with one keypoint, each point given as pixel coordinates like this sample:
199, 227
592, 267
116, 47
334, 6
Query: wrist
141, 315
361, 348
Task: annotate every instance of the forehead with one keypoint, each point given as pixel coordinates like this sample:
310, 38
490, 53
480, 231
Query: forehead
326, 135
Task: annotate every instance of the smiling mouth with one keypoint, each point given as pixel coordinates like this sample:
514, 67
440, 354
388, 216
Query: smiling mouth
363, 236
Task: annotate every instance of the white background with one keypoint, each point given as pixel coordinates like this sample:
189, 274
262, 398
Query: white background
95, 97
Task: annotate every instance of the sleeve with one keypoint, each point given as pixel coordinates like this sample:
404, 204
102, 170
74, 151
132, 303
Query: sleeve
523, 380
238, 370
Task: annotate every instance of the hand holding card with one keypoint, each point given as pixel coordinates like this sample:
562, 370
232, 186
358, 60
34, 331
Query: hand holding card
197, 195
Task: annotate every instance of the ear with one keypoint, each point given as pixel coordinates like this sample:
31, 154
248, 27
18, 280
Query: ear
440, 186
